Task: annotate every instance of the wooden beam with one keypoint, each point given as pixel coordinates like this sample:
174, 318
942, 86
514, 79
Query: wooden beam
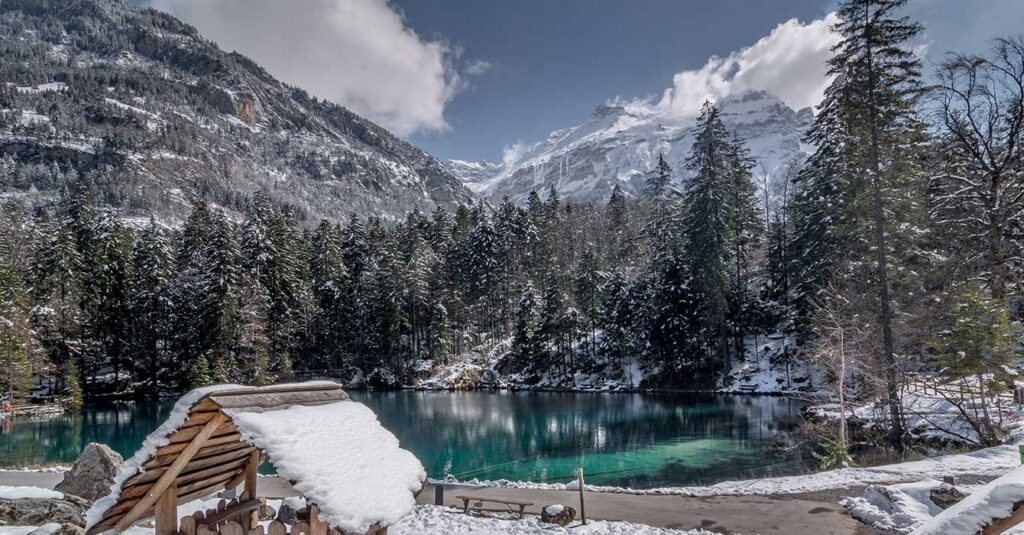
166, 515
170, 474
252, 473
1003, 524
252, 518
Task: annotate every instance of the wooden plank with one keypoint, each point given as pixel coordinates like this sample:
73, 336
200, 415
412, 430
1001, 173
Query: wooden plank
167, 478
277, 528
261, 401
231, 510
188, 525
464, 497
187, 477
316, 527
166, 454
198, 418
1003, 524
166, 511
232, 528
275, 389
188, 433
194, 464
219, 479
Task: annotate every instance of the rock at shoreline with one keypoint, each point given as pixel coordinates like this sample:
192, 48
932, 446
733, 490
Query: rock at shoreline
39, 511
562, 515
92, 474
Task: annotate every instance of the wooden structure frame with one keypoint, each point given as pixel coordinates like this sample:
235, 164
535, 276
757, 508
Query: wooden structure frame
207, 454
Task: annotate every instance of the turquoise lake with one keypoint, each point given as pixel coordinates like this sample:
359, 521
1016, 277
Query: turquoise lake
637, 440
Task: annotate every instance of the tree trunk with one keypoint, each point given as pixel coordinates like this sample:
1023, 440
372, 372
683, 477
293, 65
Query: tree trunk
878, 212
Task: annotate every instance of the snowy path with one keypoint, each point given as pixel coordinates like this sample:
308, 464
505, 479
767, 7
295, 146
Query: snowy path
723, 514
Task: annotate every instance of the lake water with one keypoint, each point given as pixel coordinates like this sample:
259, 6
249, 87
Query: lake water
637, 440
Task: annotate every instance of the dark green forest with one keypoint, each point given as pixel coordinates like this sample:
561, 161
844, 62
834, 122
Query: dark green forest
903, 223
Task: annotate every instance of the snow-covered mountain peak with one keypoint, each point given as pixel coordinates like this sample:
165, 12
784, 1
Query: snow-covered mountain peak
620, 144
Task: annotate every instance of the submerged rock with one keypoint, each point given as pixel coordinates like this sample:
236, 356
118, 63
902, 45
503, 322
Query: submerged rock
92, 474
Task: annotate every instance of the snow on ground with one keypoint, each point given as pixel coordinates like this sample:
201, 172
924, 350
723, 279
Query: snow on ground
901, 507
930, 415
56, 468
765, 371
45, 529
17, 493
343, 460
986, 462
993, 501
761, 372
432, 520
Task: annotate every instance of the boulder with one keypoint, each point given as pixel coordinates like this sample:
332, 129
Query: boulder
562, 515
293, 511
946, 495
69, 529
92, 474
39, 511
266, 512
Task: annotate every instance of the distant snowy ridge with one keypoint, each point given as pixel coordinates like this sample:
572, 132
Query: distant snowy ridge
620, 144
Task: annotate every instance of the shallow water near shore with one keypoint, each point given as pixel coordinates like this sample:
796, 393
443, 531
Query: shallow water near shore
635, 440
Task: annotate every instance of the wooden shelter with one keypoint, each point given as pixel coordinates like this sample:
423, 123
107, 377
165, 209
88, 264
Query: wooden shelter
208, 453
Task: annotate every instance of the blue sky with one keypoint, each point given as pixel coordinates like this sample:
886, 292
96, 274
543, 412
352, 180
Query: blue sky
467, 78
554, 61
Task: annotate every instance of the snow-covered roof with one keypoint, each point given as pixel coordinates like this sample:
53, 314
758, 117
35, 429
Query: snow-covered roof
332, 449
984, 507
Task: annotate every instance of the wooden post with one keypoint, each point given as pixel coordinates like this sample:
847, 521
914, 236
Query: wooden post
251, 519
316, 527
166, 511
583, 512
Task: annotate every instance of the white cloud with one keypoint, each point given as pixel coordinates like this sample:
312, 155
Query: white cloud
512, 153
478, 67
789, 63
358, 53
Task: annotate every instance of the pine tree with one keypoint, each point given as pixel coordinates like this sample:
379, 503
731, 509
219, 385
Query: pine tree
705, 227
745, 229
975, 354
869, 112
526, 346
56, 291
658, 186
151, 306
16, 335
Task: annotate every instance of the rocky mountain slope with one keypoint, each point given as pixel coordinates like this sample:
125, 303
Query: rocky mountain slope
152, 116
621, 142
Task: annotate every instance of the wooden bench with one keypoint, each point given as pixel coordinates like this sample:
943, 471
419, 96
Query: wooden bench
748, 388
479, 501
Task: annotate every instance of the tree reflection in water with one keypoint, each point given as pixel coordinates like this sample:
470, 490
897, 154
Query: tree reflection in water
638, 440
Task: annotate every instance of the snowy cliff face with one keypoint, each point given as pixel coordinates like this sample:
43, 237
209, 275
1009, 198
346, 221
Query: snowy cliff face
154, 117
621, 142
